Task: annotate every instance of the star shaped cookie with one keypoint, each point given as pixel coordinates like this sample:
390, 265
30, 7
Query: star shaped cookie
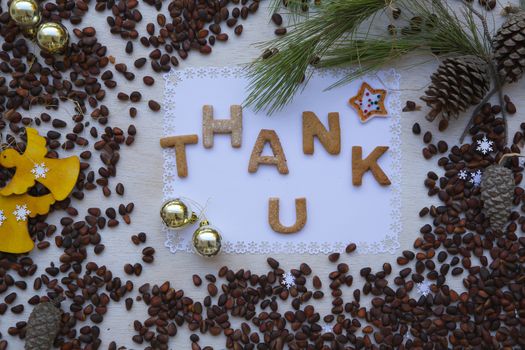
369, 102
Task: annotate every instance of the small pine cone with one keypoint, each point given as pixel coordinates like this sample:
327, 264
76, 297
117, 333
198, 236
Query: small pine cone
497, 192
42, 326
508, 46
458, 83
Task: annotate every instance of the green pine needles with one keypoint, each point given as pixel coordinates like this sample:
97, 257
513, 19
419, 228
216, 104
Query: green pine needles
341, 33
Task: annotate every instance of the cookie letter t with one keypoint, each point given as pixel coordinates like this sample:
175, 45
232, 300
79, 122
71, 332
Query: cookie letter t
179, 143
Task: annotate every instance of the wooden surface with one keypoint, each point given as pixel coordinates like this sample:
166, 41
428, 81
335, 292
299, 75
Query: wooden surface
140, 170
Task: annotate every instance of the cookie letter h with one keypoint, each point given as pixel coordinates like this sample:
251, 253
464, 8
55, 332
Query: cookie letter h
231, 126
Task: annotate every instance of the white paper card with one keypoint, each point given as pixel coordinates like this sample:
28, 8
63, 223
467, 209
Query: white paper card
237, 201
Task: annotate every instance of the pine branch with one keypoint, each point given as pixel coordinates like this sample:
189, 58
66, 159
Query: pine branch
334, 37
295, 10
446, 32
482, 19
366, 55
274, 81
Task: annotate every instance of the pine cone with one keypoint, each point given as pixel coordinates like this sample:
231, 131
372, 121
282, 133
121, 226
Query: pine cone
42, 326
497, 192
458, 83
508, 46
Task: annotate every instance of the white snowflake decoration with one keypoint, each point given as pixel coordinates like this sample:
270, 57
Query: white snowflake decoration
463, 174
521, 161
40, 170
423, 288
21, 212
288, 280
408, 337
2, 217
326, 328
475, 178
484, 145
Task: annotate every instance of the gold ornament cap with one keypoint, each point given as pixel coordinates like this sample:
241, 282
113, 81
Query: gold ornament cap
176, 214
25, 13
29, 32
207, 241
52, 37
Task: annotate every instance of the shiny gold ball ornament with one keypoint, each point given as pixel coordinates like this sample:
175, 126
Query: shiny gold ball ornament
207, 241
25, 13
176, 214
52, 37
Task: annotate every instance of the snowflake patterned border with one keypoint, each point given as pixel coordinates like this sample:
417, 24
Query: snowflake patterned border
176, 241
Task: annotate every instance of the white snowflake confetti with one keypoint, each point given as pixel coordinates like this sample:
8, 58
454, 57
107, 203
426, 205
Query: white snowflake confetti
423, 288
484, 145
326, 328
40, 170
2, 217
288, 280
408, 337
463, 174
475, 178
21, 212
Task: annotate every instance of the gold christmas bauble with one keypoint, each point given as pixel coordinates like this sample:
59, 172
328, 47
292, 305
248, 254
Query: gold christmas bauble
25, 13
52, 37
207, 241
176, 214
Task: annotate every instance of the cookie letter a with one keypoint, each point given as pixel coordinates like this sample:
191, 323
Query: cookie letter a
278, 159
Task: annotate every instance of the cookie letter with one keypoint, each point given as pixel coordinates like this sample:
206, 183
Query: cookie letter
231, 126
179, 143
312, 126
361, 166
278, 157
275, 222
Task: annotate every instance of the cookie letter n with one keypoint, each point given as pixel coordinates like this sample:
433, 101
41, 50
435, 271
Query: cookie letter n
312, 126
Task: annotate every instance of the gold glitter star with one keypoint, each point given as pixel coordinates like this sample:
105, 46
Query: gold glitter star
369, 103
